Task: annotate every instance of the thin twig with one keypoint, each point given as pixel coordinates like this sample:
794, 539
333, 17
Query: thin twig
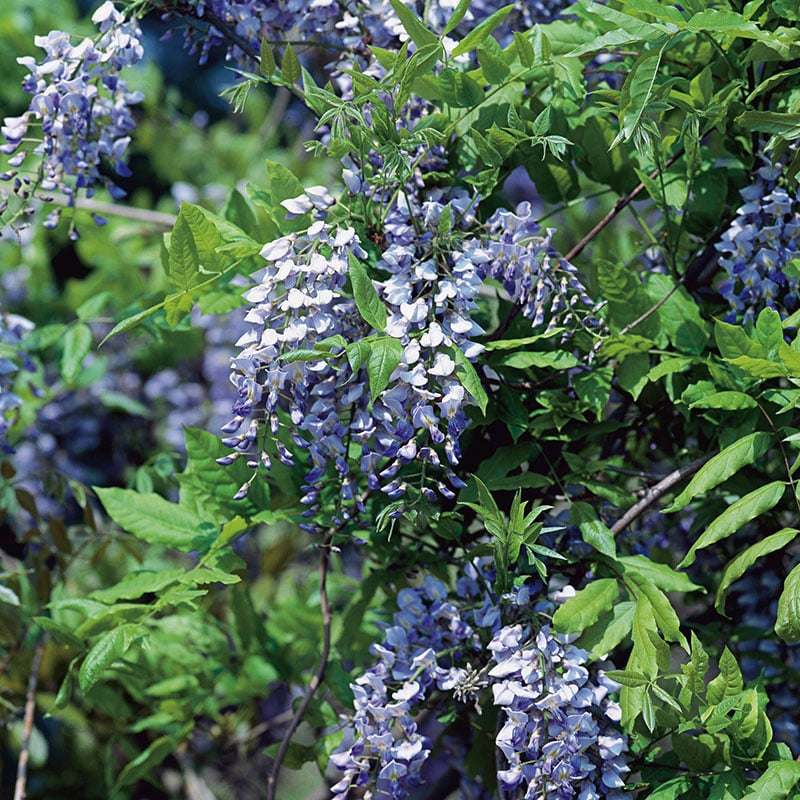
27, 725
619, 206
783, 453
655, 492
156, 218
642, 317
316, 680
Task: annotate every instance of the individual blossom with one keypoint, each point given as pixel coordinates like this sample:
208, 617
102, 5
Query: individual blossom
757, 248
79, 114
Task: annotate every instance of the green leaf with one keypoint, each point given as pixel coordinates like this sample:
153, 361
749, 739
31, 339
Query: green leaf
178, 306
470, 379
366, 296
143, 763
77, 344
637, 91
776, 783
593, 531
660, 575
130, 322
627, 677
43, 337
733, 342
494, 68
184, 262
385, 354
459, 90
719, 468
481, 31
583, 609
414, 26
357, 354
92, 307
610, 630
637, 28
458, 13
787, 126
108, 649
679, 315
752, 505
627, 298
524, 49
727, 400
207, 239
559, 359
739, 565
60, 633
290, 66
208, 488
729, 681
153, 519
267, 65
788, 623
726, 22
135, 584
673, 789
664, 614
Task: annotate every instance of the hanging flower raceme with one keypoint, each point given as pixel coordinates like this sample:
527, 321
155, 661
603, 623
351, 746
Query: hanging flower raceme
240, 25
297, 362
307, 366
80, 111
558, 734
518, 254
758, 246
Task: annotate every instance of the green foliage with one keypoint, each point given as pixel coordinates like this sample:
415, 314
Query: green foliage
181, 603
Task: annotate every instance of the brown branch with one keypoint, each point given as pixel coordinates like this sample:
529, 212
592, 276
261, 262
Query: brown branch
316, 679
27, 725
618, 207
642, 317
655, 492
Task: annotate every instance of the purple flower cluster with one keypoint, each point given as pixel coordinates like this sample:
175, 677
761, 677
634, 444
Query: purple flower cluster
535, 276
82, 104
558, 732
240, 25
430, 296
298, 304
420, 650
758, 245
13, 329
559, 735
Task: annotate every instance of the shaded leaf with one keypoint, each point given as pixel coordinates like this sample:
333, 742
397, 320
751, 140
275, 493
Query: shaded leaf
366, 296
583, 609
739, 565
752, 505
719, 468
788, 622
108, 649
